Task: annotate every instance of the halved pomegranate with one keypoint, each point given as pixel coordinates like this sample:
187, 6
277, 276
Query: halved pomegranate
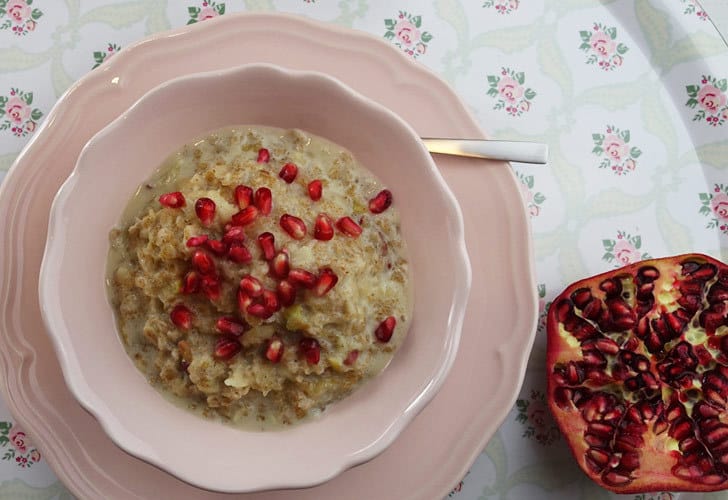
638, 374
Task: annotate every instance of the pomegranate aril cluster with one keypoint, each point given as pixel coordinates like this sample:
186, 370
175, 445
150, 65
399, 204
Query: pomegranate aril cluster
253, 298
654, 362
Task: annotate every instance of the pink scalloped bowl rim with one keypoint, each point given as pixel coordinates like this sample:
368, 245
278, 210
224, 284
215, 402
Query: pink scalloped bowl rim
81, 323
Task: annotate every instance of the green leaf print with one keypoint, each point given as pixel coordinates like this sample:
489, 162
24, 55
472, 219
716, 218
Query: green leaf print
722, 84
584, 46
193, 11
36, 114
625, 135
529, 94
492, 79
389, 24
492, 92
612, 32
691, 103
539, 198
692, 90
28, 98
705, 210
426, 36
586, 36
622, 48
220, 9
389, 35
417, 21
635, 152
597, 150
520, 77
608, 244
36, 14
528, 181
705, 197
598, 138
636, 241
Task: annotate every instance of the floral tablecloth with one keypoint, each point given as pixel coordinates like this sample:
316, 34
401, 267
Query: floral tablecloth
638, 130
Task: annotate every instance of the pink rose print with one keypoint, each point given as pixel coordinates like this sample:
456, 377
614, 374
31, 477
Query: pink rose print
710, 100
19, 16
17, 439
538, 423
206, 10
510, 91
715, 206
625, 249
602, 48
613, 147
532, 200
502, 6
18, 11
102, 55
625, 252
16, 113
720, 205
602, 44
17, 110
405, 32
17, 447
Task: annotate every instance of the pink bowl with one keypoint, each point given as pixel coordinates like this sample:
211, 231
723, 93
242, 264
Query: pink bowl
81, 322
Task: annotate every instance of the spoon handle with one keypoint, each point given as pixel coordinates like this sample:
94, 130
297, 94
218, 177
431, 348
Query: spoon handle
515, 151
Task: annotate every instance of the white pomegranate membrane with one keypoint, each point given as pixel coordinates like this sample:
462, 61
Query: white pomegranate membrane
259, 276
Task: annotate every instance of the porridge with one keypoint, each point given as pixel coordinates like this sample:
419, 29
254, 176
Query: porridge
260, 275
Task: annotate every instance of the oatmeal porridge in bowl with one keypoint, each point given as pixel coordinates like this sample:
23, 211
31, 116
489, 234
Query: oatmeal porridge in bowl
242, 310
276, 272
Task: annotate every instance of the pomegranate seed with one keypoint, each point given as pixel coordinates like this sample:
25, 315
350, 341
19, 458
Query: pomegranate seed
351, 358
310, 349
243, 196
234, 234
323, 228
286, 293
217, 247
245, 216
202, 261
326, 281
294, 226
267, 245
380, 202
289, 172
251, 285
264, 200
190, 283
274, 350
210, 286
270, 301
263, 155
181, 317
230, 326
259, 311
227, 347
279, 265
172, 200
302, 277
205, 210
244, 300
385, 329
239, 253
315, 190
197, 241
349, 227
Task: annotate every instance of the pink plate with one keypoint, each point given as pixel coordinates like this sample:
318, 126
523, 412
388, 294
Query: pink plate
441, 443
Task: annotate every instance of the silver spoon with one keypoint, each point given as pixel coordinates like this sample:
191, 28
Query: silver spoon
515, 151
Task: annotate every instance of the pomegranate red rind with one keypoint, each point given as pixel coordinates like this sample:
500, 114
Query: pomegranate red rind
638, 374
